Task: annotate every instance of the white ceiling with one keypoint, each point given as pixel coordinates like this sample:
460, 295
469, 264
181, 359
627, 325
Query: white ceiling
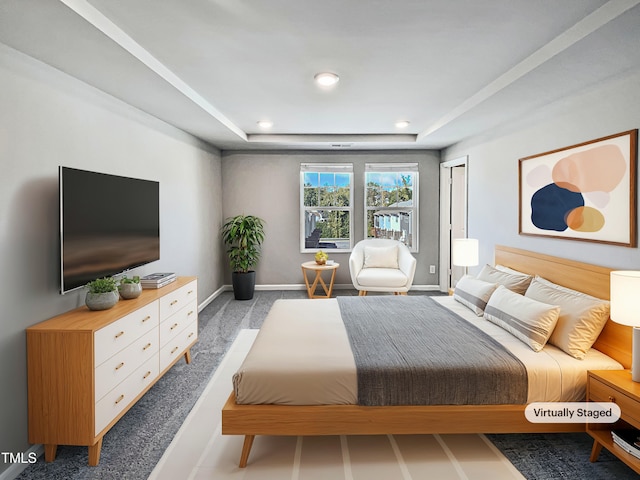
453, 68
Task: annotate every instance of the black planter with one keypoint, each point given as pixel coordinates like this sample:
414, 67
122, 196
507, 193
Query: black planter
244, 285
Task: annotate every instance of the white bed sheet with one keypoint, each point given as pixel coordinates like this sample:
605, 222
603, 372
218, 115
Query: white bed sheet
302, 356
553, 375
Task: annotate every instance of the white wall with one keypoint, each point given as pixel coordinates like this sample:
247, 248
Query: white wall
603, 110
267, 184
48, 119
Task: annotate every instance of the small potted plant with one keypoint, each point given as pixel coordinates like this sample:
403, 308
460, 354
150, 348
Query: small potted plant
243, 234
102, 294
321, 257
130, 287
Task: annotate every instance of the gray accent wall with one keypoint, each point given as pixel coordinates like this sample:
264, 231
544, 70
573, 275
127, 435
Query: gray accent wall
48, 119
604, 109
267, 184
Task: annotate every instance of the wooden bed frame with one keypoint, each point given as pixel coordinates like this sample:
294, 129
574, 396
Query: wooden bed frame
614, 341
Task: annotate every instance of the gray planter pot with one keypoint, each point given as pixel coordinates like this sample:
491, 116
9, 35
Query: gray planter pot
130, 290
101, 301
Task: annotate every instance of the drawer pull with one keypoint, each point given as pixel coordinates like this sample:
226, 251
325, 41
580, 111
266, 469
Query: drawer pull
190, 313
189, 292
190, 335
612, 399
119, 334
120, 398
175, 349
173, 303
173, 326
147, 374
148, 317
146, 346
120, 366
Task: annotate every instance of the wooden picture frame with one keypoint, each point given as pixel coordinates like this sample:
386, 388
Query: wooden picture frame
583, 192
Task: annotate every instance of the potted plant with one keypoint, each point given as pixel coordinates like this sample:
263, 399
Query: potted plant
102, 294
130, 287
243, 234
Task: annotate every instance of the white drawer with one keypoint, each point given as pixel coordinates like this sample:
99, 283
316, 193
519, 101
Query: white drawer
120, 334
121, 397
174, 301
117, 368
177, 322
178, 345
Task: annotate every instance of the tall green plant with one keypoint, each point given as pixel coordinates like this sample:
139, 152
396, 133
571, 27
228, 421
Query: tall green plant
243, 234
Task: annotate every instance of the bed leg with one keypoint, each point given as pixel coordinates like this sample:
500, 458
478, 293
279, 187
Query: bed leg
246, 449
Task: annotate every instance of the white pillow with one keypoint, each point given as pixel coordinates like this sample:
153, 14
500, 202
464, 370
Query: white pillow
526, 319
381, 257
582, 317
473, 293
515, 281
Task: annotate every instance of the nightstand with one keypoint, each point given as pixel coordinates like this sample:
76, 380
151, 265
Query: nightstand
614, 386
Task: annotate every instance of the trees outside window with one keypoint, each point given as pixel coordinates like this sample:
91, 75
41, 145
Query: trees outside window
391, 202
326, 193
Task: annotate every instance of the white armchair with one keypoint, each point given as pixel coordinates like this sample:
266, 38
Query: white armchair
382, 265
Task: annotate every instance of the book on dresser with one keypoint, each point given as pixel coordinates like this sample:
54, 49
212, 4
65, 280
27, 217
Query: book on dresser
628, 440
157, 280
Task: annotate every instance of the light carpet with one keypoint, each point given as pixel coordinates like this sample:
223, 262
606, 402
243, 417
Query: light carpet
199, 451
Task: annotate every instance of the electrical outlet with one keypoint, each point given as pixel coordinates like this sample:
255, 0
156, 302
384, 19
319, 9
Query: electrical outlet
432, 269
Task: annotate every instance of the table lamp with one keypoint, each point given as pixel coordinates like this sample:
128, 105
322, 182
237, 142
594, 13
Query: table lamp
464, 252
625, 287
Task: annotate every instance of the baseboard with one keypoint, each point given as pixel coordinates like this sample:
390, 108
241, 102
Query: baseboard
16, 469
211, 298
339, 286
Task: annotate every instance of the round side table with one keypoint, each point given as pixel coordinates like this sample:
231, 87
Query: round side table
318, 269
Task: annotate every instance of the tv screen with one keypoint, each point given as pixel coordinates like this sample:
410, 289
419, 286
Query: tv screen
108, 224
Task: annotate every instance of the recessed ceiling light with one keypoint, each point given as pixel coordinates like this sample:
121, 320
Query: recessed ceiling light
326, 79
402, 124
265, 124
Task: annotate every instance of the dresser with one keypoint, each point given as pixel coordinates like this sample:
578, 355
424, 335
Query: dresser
86, 369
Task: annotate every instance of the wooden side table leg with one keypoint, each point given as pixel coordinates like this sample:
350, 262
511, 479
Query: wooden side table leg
333, 277
50, 452
314, 286
595, 451
306, 282
187, 356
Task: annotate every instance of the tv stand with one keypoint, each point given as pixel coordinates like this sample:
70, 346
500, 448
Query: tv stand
86, 369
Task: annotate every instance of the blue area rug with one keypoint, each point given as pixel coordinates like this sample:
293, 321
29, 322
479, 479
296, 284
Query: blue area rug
557, 456
136, 443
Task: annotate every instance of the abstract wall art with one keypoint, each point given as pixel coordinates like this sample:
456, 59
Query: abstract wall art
582, 192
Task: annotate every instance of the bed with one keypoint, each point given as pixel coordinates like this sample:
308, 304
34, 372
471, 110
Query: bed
344, 417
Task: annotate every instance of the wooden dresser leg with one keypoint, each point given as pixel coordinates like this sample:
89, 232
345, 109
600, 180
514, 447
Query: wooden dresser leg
94, 453
50, 452
246, 449
187, 356
595, 451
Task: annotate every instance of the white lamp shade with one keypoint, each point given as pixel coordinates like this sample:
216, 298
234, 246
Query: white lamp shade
625, 287
464, 252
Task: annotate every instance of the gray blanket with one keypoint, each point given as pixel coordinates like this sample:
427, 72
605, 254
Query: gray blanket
410, 350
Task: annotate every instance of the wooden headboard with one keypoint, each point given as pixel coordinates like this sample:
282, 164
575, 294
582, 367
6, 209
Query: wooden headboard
615, 339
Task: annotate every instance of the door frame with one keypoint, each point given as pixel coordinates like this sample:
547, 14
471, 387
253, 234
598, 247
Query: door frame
445, 215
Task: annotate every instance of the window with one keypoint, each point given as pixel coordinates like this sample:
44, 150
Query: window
326, 207
391, 202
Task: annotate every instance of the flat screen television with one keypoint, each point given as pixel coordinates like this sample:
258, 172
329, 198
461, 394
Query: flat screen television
108, 225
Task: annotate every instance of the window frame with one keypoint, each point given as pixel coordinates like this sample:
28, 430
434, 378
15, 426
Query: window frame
383, 168
335, 168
